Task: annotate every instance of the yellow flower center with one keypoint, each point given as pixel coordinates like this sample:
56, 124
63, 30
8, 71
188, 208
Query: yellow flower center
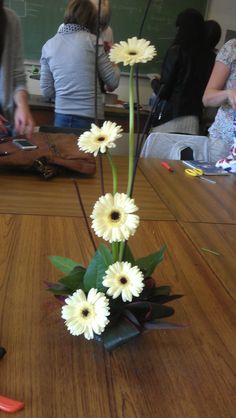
115, 216
123, 280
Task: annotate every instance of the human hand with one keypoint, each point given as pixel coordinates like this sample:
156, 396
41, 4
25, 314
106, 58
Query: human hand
24, 123
3, 122
232, 98
107, 46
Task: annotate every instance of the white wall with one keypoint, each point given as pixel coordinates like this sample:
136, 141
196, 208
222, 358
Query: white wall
224, 12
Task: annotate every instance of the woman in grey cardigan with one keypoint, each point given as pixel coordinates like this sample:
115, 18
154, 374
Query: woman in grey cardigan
14, 109
68, 68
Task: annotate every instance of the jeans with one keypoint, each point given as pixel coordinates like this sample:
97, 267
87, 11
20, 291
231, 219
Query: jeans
72, 121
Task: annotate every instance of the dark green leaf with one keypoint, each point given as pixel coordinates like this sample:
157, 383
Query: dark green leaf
162, 325
101, 269
63, 264
58, 289
147, 311
96, 269
128, 256
161, 290
149, 263
90, 277
119, 334
60, 292
74, 280
106, 255
163, 298
154, 293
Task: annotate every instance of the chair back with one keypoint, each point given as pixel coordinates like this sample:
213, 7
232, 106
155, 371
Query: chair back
171, 146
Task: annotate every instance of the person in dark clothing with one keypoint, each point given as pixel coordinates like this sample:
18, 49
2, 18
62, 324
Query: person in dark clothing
185, 72
212, 35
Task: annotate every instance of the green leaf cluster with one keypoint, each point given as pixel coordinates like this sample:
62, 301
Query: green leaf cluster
127, 319
77, 276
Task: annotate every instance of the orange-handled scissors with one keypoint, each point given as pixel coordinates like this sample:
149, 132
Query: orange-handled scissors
195, 172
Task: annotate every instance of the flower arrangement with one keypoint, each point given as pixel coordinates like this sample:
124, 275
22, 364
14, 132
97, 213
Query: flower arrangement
114, 298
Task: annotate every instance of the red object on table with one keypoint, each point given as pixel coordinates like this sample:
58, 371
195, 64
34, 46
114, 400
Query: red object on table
167, 166
10, 405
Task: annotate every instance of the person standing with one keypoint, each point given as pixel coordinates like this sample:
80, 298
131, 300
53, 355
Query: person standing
185, 72
15, 114
68, 68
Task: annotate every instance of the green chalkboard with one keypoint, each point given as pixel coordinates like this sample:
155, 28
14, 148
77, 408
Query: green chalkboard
159, 27
41, 18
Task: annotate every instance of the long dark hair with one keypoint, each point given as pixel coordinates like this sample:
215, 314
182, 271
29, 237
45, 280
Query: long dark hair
191, 30
3, 21
212, 33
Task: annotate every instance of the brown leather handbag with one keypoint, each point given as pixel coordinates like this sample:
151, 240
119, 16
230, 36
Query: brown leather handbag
55, 154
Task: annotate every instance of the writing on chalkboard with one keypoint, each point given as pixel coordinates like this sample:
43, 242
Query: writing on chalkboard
40, 20
24, 8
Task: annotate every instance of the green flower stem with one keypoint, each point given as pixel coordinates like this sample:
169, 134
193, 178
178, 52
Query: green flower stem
115, 251
115, 245
121, 250
131, 131
131, 146
114, 172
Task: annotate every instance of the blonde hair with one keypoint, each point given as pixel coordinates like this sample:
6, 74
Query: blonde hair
82, 12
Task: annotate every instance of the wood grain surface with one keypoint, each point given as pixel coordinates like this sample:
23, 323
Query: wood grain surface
189, 198
221, 239
185, 373
26, 193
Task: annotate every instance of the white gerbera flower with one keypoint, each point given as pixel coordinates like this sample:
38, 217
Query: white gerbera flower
123, 279
113, 217
99, 139
86, 316
132, 52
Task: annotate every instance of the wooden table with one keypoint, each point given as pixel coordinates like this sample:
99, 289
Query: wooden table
189, 198
187, 373
29, 194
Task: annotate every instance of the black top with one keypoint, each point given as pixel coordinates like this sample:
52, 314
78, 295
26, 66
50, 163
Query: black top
183, 80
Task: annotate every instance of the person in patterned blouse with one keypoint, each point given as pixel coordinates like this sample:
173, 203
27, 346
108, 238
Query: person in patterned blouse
221, 91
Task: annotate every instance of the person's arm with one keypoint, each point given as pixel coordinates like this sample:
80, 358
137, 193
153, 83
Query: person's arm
215, 95
108, 72
19, 75
46, 78
24, 123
